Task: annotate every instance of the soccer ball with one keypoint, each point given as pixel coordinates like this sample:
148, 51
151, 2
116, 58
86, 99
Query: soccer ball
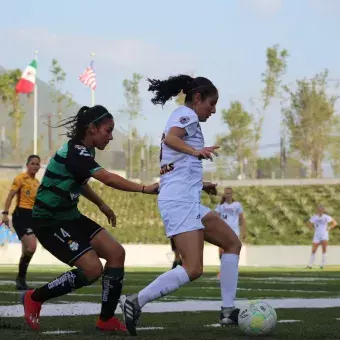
257, 318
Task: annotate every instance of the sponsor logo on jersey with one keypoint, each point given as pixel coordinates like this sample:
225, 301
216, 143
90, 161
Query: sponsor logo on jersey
184, 120
166, 168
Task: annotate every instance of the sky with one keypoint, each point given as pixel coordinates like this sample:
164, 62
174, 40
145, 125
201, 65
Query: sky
224, 40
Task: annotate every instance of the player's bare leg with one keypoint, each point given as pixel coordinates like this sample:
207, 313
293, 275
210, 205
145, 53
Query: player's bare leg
324, 245
29, 245
312, 256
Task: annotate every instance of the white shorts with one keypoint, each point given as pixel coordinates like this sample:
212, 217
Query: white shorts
181, 217
322, 237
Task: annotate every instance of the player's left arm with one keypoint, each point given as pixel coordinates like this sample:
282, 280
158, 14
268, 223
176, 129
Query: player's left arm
91, 195
332, 224
243, 225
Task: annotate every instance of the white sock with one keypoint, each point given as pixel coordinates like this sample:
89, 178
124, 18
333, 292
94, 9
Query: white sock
323, 261
311, 260
163, 285
229, 278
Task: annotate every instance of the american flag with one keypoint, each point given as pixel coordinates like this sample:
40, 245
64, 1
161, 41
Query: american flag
88, 77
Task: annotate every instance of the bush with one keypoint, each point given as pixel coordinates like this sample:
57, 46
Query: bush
274, 215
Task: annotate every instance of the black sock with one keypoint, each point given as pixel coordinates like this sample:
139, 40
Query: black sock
25, 260
64, 284
112, 283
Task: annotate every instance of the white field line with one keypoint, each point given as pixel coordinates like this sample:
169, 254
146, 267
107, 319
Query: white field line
216, 325
292, 278
86, 308
60, 331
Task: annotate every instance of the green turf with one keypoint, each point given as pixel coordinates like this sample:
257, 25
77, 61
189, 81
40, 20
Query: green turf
254, 283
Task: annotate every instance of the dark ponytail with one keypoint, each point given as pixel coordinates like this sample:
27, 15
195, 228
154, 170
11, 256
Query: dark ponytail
166, 89
78, 124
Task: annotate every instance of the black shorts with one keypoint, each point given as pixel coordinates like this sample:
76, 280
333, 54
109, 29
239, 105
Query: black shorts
22, 222
66, 240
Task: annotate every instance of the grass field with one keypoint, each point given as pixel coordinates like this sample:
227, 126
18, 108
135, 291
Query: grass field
307, 303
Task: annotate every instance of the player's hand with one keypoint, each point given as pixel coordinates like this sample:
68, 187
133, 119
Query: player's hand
5, 220
152, 189
206, 153
108, 212
210, 188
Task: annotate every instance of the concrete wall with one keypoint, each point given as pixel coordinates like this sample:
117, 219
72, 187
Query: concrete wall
151, 255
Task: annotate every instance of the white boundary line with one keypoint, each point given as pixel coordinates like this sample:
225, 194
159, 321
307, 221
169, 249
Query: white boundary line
86, 308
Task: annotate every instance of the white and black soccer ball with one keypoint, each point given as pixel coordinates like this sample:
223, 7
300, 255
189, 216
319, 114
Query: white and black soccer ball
257, 318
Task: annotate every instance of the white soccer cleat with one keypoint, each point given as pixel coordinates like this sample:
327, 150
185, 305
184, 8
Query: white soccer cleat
131, 312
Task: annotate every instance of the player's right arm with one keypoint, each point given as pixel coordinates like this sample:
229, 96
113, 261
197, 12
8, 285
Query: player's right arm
310, 225
83, 165
16, 185
120, 183
174, 140
332, 223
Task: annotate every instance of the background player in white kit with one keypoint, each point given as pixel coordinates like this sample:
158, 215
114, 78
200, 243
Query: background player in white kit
187, 221
322, 223
231, 212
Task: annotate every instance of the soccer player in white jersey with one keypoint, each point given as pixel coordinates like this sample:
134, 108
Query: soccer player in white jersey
322, 224
186, 221
231, 212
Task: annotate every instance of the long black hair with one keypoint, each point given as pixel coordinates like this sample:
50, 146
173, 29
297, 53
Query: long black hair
78, 124
223, 199
171, 87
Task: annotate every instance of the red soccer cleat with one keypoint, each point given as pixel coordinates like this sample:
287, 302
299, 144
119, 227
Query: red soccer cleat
32, 310
112, 324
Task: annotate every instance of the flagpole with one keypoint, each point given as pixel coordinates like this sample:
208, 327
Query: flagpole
92, 91
35, 114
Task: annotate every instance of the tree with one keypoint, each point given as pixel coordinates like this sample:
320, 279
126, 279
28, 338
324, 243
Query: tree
133, 111
309, 118
333, 147
266, 167
276, 66
276, 62
62, 100
132, 96
10, 98
240, 138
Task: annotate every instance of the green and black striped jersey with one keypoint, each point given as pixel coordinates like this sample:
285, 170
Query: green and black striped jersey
68, 170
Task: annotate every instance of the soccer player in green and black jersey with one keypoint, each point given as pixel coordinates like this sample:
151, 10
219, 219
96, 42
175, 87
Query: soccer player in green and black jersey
70, 236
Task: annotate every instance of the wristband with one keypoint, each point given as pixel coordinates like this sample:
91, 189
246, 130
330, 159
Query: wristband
5, 212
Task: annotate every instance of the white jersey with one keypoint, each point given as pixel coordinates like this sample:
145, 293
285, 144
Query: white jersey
181, 174
230, 213
320, 224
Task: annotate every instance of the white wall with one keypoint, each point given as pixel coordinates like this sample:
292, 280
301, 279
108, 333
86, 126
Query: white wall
151, 255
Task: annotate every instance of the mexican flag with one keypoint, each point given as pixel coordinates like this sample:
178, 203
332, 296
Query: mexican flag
27, 80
